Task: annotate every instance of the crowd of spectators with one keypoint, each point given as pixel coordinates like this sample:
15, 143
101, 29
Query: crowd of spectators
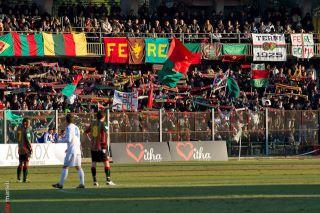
176, 19
301, 92
196, 94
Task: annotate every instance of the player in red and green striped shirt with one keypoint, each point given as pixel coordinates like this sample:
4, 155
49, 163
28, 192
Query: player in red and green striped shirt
99, 147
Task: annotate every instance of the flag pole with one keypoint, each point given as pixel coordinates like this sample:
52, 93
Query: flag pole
239, 149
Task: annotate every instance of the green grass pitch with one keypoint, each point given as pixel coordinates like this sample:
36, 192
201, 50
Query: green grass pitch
287, 185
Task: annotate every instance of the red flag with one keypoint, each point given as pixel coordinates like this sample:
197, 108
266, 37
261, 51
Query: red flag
2, 106
116, 50
76, 79
181, 57
100, 106
150, 97
232, 58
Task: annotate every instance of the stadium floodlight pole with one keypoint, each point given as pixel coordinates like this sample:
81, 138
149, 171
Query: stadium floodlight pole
160, 125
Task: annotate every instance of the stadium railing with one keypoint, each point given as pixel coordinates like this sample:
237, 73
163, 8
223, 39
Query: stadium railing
95, 43
268, 132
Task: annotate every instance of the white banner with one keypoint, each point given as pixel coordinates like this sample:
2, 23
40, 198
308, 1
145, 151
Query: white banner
125, 101
43, 154
302, 45
269, 47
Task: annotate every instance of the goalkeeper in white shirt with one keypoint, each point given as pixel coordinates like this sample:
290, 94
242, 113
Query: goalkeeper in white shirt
73, 153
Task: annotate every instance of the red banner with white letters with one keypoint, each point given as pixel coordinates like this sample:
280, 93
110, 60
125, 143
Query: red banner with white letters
116, 50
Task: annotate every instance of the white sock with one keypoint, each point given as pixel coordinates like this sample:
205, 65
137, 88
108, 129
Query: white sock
81, 176
63, 177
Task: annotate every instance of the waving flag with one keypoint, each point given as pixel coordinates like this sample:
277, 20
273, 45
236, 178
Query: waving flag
70, 88
259, 75
177, 64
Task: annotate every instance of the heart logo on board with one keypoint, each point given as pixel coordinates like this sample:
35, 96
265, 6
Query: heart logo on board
185, 150
135, 151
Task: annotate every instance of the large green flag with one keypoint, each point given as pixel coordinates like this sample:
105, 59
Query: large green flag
156, 50
234, 49
233, 87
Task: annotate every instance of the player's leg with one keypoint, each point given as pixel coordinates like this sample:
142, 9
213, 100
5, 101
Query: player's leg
19, 169
64, 175
64, 172
107, 171
77, 164
94, 173
25, 170
94, 160
81, 176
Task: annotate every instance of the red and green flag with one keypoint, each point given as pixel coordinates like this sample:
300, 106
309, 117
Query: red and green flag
177, 64
259, 75
70, 88
15, 44
65, 44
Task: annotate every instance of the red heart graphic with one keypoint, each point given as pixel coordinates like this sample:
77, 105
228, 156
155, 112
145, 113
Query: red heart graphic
132, 154
185, 145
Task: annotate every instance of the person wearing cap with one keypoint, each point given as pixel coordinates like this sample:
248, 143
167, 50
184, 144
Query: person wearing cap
99, 147
24, 137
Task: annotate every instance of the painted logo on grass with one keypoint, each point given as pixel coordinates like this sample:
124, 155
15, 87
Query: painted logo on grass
187, 151
138, 153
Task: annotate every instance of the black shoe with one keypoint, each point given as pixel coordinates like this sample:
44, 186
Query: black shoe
80, 186
57, 186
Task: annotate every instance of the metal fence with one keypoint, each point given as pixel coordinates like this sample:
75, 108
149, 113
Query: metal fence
268, 132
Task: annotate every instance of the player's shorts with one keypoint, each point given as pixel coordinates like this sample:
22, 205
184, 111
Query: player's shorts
72, 160
24, 157
99, 156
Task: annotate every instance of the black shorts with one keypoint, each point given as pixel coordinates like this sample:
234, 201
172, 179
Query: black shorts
24, 157
99, 156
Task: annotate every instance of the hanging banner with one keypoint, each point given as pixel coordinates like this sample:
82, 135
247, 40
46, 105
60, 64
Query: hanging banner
302, 45
156, 50
136, 50
125, 101
116, 50
211, 51
269, 47
43, 154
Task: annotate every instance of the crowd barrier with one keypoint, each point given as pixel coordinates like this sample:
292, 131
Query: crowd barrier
264, 133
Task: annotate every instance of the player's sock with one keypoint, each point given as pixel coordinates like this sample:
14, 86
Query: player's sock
94, 173
19, 172
107, 171
25, 173
81, 176
63, 177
